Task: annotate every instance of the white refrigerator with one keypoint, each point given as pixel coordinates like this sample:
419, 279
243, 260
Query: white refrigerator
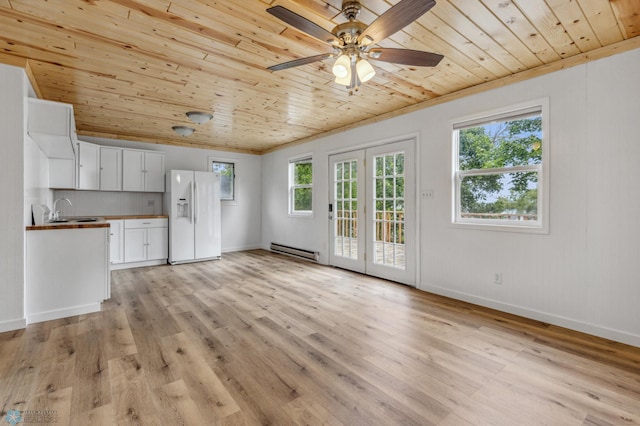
193, 203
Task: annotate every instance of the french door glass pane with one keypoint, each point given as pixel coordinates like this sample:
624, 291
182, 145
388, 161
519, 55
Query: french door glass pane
389, 244
346, 214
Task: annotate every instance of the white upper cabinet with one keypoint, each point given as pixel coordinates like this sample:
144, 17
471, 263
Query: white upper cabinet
110, 168
62, 173
142, 171
52, 126
132, 170
154, 171
88, 166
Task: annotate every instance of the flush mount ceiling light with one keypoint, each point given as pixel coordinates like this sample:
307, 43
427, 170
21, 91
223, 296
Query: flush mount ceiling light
353, 41
183, 130
199, 117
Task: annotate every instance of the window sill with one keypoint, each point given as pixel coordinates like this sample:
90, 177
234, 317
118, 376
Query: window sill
301, 215
496, 227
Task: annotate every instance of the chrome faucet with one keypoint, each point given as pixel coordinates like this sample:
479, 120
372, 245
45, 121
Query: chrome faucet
55, 214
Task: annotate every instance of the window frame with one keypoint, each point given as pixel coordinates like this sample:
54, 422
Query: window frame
539, 226
301, 159
211, 161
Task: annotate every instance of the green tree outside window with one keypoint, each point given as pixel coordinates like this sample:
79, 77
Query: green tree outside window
302, 186
498, 169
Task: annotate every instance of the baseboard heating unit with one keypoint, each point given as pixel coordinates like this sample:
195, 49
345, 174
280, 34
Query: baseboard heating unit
297, 252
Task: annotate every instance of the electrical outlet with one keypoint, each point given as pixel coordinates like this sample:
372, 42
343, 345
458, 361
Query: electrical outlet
497, 277
151, 203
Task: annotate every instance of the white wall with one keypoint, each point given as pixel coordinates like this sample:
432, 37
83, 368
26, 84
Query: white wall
36, 179
583, 273
108, 203
13, 90
241, 220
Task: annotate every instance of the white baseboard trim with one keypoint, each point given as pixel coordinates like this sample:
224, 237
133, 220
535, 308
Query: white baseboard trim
242, 248
593, 329
114, 267
206, 259
63, 313
13, 325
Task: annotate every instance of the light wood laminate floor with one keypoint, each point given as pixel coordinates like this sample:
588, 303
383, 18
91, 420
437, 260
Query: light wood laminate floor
258, 338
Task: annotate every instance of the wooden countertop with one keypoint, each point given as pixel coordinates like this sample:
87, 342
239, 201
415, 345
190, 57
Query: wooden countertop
137, 216
68, 225
101, 223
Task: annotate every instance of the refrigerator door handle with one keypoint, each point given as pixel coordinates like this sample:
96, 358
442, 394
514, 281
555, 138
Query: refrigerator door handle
195, 202
191, 203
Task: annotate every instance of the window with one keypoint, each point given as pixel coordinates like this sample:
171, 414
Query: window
301, 186
227, 172
499, 170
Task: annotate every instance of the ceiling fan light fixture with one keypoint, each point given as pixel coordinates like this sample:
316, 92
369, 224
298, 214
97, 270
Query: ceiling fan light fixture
344, 81
199, 117
183, 130
341, 68
365, 70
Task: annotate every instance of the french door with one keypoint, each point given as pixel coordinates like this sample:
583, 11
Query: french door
372, 196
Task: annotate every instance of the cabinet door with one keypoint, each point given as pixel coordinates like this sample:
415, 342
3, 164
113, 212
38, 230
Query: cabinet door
62, 173
158, 243
116, 245
88, 166
48, 118
135, 249
154, 171
110, 169
132, 167
52, 127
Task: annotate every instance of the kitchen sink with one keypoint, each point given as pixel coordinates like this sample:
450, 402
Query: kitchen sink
74, 220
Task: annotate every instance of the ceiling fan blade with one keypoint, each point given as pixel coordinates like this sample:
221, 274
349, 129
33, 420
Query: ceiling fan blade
301, 61
405, 57
303, 24
393, 20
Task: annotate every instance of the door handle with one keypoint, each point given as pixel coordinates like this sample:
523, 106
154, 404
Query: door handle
195, 202
191, 202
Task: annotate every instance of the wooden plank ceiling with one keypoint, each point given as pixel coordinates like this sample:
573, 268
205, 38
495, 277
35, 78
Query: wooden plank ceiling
132, 68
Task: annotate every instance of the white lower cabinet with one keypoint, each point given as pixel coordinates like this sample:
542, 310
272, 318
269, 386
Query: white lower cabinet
146, 240
158, 243
116, 244
135, 249
67, 272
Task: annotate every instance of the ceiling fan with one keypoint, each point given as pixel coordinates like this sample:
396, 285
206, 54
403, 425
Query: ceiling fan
353, 40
